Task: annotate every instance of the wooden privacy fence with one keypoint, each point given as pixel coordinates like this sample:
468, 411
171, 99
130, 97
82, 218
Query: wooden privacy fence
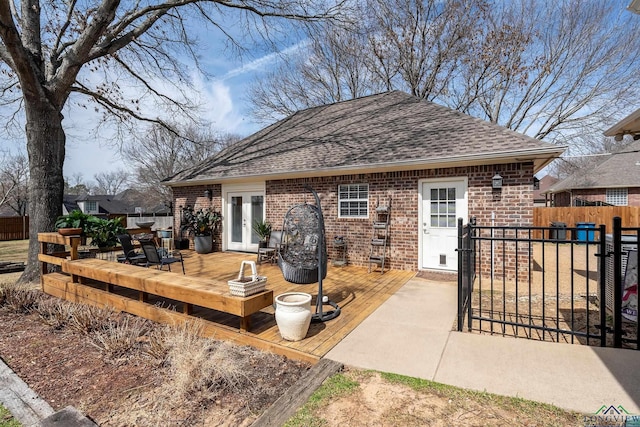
572, 215
14, 228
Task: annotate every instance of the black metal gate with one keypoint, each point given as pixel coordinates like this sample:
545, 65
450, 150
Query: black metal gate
556, 283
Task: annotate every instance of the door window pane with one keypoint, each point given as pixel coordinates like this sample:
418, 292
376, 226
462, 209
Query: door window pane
236, 219
443, 207
257, 209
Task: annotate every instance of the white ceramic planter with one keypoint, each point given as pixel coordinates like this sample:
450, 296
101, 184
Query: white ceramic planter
293, 315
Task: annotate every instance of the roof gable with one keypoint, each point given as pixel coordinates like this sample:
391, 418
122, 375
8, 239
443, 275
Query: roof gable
386, 130
620, 169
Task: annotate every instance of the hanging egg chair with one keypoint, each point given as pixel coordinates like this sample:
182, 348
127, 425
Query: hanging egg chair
303, 245
302, 257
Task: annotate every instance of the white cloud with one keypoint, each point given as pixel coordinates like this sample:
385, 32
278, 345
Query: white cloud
264, 62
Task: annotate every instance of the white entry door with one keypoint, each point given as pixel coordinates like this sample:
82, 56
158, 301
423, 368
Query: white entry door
243, 209
443, 202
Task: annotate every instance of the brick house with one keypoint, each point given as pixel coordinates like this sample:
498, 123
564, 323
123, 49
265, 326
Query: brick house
613, 181
431, 163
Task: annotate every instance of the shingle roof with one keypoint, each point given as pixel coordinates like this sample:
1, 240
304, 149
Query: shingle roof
387, 130
107, 204
545, 183
620, 169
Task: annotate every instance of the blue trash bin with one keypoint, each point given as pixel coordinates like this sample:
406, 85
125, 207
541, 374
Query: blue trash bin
586, 231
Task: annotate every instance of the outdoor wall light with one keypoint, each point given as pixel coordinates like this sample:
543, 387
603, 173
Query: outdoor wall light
496, 182
207, 194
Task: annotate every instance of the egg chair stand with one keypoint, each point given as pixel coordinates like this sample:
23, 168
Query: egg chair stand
302, 257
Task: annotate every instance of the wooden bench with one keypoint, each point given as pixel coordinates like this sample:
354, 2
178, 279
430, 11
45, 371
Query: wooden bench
203, 292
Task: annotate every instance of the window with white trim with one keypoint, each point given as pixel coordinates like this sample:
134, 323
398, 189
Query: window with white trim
617, 196
90, 206
353, 201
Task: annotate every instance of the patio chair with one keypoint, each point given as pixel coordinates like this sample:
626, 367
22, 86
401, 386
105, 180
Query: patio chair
154, 258
130, 256
270, 253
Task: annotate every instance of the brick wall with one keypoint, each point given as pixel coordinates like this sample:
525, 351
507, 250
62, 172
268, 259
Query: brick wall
595, 195
513, 205
194, 196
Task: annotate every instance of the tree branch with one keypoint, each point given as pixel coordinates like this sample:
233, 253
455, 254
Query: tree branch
21, 60
119, 110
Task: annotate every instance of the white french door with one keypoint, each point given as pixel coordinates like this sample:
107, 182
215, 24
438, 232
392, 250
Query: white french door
243, 209
443, 201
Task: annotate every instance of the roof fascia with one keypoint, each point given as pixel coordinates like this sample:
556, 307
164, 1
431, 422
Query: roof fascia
623, 126
540, 158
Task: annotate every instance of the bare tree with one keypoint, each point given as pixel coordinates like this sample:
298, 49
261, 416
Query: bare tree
97, 51
589, 151
160, 153
552, 70
76, 185
14, 183
327, 68
410, 45
417, 45
111, 182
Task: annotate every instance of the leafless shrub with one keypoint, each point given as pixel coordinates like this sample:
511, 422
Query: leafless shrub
158, 343
200, 366
54, 312
116, 339
88, 318
20, 298
199, 370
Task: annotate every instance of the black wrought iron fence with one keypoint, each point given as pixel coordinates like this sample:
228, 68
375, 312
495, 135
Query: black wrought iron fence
562, 284
466, 271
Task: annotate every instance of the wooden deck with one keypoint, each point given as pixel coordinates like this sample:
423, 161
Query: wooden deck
357, 292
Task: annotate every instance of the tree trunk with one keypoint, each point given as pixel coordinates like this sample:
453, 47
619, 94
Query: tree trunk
46, 149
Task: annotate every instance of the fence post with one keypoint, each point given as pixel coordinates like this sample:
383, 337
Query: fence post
617, 282
471, 267
460, 251
602, 267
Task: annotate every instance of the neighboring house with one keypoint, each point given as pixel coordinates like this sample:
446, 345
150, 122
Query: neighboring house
128, 204
433, 165
613, 181
98, 205
541, 195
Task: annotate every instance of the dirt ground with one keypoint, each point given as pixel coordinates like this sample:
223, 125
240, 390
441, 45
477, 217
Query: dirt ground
132, 388
365, 398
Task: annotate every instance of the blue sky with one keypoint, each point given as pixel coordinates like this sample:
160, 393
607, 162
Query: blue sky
224, 96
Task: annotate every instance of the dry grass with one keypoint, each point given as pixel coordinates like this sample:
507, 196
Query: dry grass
118, 338
14, 250
54, 312
19, 298
87, 318
202, 373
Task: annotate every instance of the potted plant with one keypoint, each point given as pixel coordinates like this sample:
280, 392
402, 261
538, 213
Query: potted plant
104, 232
76, 222
263, 230
202, 224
